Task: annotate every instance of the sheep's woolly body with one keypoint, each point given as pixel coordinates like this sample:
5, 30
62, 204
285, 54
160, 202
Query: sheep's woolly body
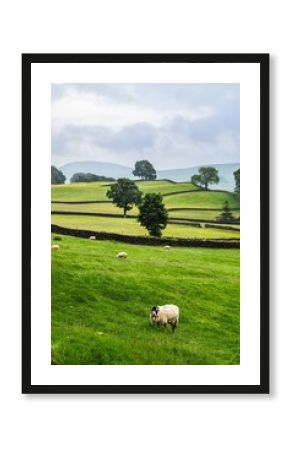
122, 255
55, 247
166, 314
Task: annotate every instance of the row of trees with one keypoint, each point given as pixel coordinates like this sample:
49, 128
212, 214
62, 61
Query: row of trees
81, 177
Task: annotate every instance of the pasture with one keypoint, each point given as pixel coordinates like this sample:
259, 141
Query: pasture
133, 228
205, 206
97, 190
201, 199
100, 304
202, 214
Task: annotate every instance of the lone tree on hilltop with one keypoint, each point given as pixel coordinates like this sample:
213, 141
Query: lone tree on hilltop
57, 177
152, 214
144, 170
125, 194
237, 180
205, 176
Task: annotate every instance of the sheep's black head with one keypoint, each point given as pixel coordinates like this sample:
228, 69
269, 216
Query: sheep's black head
154, 311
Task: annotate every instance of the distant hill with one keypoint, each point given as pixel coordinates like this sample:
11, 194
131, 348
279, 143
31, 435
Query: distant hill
97, 168
117, 171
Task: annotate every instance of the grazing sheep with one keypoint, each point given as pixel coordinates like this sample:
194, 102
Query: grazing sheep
55, 247
122, 255
167, 247
163, 315
92, 238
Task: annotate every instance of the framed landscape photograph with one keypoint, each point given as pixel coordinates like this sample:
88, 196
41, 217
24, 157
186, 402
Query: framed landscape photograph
145, 258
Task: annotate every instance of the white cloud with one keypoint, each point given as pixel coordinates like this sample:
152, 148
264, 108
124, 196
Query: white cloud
89, 109
171, 125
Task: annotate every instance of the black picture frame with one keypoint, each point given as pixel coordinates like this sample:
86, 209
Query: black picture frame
263, 61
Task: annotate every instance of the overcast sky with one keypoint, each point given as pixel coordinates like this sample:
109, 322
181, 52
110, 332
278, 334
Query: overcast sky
172, 125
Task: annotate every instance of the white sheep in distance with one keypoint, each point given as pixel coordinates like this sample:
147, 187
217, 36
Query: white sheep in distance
92, 238
163, 315
167, 247
122, 255
55, 247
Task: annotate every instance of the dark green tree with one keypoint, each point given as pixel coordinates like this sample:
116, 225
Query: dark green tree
226, 215
152, 214
125, 194
237, 180
144, 170
57, 177
205, 176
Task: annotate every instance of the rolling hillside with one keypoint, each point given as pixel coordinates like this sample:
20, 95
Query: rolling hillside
100, 305
93, 211
119, 171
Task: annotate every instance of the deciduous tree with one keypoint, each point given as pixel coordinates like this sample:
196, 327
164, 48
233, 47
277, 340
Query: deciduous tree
125, 194
145, 170
152, 214
57, 177
205, 176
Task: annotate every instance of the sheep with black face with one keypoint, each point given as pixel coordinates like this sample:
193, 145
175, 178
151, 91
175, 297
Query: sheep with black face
164, 315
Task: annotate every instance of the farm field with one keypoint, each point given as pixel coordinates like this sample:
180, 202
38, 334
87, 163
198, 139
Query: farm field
174, 198
105, 208
79, 191
164, 187
100, 304
131, 227
97, 190
198, 214
201, 199
110, 208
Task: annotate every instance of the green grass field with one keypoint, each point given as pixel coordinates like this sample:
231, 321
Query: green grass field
100, 304
110, 208
79, 192
132, 227
201, 199
97, 191
164, 187
198, 215
107, 208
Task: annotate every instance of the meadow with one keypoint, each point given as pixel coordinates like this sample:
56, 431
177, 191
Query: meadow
133, 228
97, 190
101, 304
192, 206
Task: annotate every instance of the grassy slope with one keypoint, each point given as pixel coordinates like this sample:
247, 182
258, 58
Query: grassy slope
100, 305
108, 208
164, 187
97, 191
209, 199
196, 215
79, 192
132, 227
